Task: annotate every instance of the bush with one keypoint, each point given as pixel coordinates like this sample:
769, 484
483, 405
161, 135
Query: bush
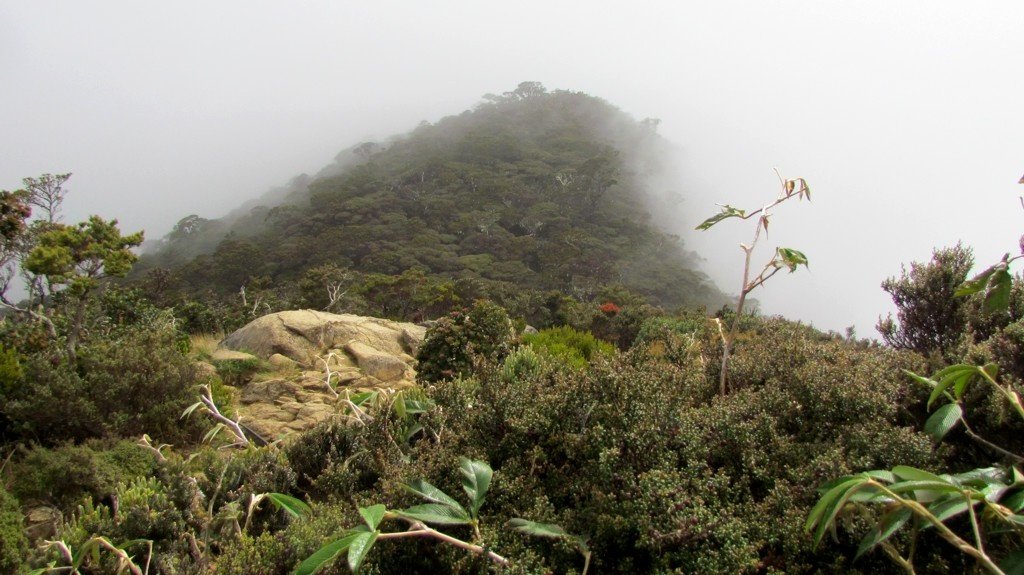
13, 543
64, 474
663, 476
144, 511
929, 318
575, 348
483, 333
134, 384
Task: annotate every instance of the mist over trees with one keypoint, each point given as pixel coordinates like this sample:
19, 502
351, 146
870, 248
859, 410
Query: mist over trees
536, 189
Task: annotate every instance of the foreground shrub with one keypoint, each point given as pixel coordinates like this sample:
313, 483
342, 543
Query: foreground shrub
136, 383
64, 474
449, 349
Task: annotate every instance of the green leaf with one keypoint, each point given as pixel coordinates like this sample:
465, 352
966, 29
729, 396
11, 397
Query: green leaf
1014, 502
997, 292
924, 490
929, 382
907, 473
1013, 564
957, 376
948, 508
363, 397
373, 515
943, 420
436, 513
889, 524
358, 549
410, 431
476, 480
291, 505
792, 258
1016, 519
975, 284
188, 410
325, 555
725, 213
881, 475
414, 406
828, 507
431, 493
538, 529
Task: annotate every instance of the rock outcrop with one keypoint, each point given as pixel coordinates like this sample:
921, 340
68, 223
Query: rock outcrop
307, 346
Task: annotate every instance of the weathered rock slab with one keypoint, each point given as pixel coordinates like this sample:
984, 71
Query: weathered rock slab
307, 346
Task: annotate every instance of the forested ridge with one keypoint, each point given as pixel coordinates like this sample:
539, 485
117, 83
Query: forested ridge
530, 192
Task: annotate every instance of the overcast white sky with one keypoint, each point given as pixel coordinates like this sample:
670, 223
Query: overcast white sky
906, 117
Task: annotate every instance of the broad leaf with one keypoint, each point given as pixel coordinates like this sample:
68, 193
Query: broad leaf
907, 473
726, 212
410, 431
975, 284
926, 381
997, 292
476, 480
924, 491
943, 420
824, 513
291, 505
889, 524
538, 529
325, 555
948, 508
792, 258
188, 410
881, 475
431, 493
1015, 502
373, 515
436, 513
1013, 564
363, 397
358, 549
955, 376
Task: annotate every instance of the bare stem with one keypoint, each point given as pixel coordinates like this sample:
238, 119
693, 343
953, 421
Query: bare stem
232, 425
419, 529
973, 435
944, 531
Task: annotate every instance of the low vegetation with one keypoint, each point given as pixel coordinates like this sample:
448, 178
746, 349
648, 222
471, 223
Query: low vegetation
599, 443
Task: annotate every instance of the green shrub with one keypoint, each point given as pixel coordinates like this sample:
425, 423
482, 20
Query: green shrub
62, 475
11, 371
136, 383
641, 456
483, 333
238, 372
673, 338
575, 348
13, 543
264, 554
144, 511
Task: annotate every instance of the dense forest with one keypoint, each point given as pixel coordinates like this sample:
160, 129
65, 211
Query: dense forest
566, 413
531, 197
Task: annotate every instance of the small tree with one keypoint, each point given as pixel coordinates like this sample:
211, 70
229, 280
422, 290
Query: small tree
80, 257
783, 258
929, 318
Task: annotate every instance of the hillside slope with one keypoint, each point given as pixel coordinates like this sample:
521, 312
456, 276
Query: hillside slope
531, 191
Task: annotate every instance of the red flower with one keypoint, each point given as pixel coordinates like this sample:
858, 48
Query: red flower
609, 308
